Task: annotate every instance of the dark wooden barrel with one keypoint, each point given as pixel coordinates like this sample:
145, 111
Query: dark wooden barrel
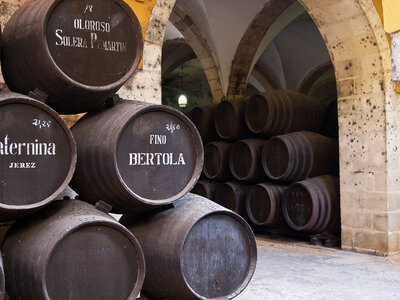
136, 156
229, 120
263, 204
245, 160
204, 251
79, 53
330, 126
216, 161
282, 111
206, 188
202, 118
37, 155
298, 155
70, 250
232, 195
312, 205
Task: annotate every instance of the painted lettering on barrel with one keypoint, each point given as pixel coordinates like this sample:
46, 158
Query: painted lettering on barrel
34, 148
158, 158
90, 38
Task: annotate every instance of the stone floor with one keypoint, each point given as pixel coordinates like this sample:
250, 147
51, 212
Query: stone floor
292, 271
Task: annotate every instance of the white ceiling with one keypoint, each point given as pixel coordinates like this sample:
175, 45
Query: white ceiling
223, 23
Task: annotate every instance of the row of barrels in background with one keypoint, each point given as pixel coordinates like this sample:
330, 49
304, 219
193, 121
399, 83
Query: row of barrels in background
308, 206
284, 158
266, 158
124, 156
265, 114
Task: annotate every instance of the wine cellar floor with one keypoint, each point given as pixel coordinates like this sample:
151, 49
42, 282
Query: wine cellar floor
295, 270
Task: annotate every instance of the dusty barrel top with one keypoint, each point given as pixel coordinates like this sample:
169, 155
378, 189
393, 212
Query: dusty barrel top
77, 52
136, 156
37, 155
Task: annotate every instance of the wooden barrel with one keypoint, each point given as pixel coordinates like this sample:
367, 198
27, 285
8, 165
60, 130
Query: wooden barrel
216, 161
206, 188
70, 250
312, 205
136, 156
202, 118
204, 251
37, 155
79, 53
298, 155
232, 195
330, 126
245, 160
229, 120
282, 111
263, 204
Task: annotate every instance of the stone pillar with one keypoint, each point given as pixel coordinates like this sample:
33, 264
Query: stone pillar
145, 84
369, 115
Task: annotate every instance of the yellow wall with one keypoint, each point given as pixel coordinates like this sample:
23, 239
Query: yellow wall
142, 9
379, 8
391, 13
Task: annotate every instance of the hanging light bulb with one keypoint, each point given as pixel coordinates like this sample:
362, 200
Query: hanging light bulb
182, 101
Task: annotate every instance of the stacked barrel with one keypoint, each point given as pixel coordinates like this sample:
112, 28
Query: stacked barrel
126, 157
270, 163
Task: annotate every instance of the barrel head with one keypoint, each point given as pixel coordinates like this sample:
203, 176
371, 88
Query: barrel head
256, 113
217, 256
159, 156
93, 262
275, 158
37, 152
297, 207
241, 160
225, 120
258, 204
95, 43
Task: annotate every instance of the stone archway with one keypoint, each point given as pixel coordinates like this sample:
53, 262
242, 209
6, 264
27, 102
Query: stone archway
145, 84
250, 43
368, 119
196, 40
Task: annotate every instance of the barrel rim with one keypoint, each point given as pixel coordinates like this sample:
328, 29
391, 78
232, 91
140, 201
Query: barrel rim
139, 36
198, 146
252, 249
22, 99
110, 223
